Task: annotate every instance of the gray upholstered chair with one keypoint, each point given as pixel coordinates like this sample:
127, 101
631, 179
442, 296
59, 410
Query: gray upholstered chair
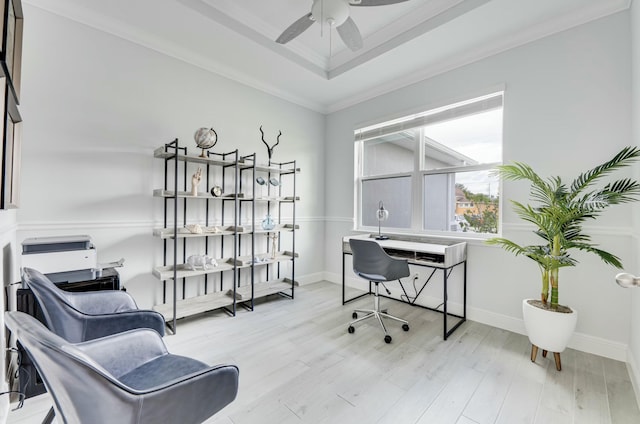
124, 378
82, 316
372, 263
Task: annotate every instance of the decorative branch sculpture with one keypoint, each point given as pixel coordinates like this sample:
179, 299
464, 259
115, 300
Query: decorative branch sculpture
270, 148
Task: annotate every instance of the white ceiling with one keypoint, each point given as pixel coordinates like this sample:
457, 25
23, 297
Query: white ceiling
403, 43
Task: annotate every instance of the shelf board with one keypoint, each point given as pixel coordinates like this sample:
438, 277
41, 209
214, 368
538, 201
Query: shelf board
277, 229
201, 195
195, 305
166, 272
275, 169
167, 233
162, 154
263, 289
276, 199
245, 261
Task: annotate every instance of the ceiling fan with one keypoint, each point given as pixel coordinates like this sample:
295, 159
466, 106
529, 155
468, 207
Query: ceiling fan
335, 13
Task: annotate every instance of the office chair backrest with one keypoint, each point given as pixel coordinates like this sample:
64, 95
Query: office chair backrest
371, 262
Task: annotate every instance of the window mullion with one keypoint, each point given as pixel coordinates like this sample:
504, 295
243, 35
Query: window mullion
357, 207
416, 182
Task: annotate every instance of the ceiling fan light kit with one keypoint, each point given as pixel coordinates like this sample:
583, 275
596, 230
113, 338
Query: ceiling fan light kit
334, 13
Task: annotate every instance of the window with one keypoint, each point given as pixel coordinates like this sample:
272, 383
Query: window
432, 170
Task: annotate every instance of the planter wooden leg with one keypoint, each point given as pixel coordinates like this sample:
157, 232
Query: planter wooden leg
534, 352
556, 355
544, 353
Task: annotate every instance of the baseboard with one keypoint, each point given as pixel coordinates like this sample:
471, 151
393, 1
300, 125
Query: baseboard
310, 278
332, 277
634, 374
579, 341
493, 319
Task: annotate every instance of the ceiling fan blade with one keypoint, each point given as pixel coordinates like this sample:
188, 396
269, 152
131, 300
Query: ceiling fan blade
374, 2
297, 28
350, 34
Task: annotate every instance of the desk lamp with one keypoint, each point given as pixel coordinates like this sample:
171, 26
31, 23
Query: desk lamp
382, 214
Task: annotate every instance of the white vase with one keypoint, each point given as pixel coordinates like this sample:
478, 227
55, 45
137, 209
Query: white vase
548, 330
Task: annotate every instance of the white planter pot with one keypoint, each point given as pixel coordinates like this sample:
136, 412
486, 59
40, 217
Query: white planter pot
549, 330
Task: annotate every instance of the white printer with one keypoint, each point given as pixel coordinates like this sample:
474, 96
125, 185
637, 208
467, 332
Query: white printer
62, 259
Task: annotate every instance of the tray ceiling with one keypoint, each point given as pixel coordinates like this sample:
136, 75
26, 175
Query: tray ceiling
403, 43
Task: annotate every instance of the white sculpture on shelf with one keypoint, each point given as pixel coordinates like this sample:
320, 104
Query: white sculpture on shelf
194, 228
195, 180
274, 239
200, 261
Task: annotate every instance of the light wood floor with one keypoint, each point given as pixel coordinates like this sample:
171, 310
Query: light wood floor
298, 364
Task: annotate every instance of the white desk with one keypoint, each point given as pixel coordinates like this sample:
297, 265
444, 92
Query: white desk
437, 256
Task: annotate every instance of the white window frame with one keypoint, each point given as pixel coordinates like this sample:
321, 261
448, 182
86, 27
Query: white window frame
418, 174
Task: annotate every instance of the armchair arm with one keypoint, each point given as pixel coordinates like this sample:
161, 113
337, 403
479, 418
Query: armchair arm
120, 353
96, 326
101, 302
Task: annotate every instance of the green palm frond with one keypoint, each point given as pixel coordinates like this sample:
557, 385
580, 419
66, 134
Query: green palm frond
608, 258
507, 245
559, 211
623, 158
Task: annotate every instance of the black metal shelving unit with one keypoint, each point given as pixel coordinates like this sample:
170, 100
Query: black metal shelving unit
247, 268
176, 237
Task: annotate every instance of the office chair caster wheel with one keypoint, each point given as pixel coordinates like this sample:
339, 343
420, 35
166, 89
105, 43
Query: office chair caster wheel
354, 315
387, 339
351, 330
405, 327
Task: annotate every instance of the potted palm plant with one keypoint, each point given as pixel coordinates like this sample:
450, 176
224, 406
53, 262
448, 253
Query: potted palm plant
558, 214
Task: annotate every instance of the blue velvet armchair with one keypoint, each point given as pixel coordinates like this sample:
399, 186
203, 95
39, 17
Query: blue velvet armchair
125, 378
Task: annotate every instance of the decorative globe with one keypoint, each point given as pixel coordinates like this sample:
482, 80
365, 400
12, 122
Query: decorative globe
205, 139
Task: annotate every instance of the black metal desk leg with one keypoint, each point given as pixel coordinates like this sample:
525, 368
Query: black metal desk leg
343, 281
464, 304
444, 298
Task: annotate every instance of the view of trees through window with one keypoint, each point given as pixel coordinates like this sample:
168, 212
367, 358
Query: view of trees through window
478, 211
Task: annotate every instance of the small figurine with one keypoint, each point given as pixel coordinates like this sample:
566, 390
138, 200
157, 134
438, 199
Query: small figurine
195, 180
274, 239
200, 261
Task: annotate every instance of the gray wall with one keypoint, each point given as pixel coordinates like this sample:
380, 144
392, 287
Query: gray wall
95, 107
634, 266
566, 109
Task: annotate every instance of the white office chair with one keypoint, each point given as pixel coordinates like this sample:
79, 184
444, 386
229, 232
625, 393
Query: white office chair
372, 263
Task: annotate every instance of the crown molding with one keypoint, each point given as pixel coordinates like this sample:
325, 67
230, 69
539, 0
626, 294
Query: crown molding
69, 10
528, 35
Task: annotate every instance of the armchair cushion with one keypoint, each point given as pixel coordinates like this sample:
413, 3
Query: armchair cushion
160, 371
101, 302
